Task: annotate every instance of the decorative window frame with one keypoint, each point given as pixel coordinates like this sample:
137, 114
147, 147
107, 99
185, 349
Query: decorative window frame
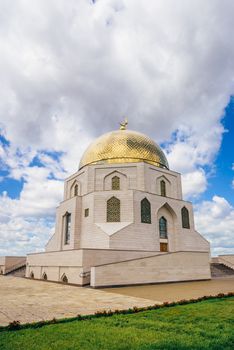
67, 228
115, 183
168, 186
145, 211
163, 222
185, 218
113, 209
107, 181
75, 191
163, 188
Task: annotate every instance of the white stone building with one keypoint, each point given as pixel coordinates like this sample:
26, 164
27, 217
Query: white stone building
123, 220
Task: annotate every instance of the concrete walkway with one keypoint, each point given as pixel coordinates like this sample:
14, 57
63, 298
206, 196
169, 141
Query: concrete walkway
27, 300
177, 291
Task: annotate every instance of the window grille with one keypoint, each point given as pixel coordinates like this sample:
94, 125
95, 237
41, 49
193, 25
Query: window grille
115, 183
163, 227
185, 218
145, 211
163, 188
113, 210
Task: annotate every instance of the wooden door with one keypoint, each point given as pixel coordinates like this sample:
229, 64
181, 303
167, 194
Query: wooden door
163, 247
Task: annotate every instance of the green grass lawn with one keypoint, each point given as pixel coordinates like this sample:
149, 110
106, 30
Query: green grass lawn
204, 325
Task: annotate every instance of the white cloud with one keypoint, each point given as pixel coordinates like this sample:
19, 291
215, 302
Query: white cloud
194, 183
215, 220
69, 73
21, 236
27, 222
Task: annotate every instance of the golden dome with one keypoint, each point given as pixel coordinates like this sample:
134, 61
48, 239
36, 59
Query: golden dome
124, 146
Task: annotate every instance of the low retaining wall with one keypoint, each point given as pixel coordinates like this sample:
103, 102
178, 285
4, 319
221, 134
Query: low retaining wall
171, 267
11, 263
75, 264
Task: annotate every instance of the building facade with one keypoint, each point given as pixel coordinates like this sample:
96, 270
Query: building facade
123, 220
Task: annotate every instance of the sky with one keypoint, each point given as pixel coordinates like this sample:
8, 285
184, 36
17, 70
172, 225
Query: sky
71, 71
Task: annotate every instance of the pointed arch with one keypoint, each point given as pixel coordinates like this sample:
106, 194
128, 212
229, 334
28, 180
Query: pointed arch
115, 180
44, 276
185, 217
163, 227
169, 209
163, 186
113, 210
166, 230
145, 211
64, 278
75, 189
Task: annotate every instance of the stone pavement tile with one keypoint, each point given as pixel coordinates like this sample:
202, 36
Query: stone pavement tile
28, 300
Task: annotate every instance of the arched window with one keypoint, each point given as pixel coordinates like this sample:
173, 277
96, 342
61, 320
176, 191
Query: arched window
67, 218
163, 227
32, 275
113, 210
163, 188
64, 279
185, 217
115, 181
145, 211
44, 276
76, 190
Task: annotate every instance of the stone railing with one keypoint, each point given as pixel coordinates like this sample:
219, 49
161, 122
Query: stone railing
227, 260
14, 267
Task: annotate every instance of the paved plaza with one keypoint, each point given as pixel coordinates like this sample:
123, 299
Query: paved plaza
29, 300
178, 291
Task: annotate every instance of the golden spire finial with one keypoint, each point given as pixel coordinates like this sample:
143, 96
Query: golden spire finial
123, 125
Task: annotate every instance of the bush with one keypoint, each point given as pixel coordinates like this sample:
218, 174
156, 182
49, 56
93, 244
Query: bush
14, 325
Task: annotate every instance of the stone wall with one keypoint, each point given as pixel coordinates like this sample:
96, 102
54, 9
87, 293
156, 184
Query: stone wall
75, 264
171, 267
2, 264
55, 265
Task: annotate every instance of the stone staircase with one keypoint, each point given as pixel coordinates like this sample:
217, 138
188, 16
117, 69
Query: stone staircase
17, 269
220, 270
